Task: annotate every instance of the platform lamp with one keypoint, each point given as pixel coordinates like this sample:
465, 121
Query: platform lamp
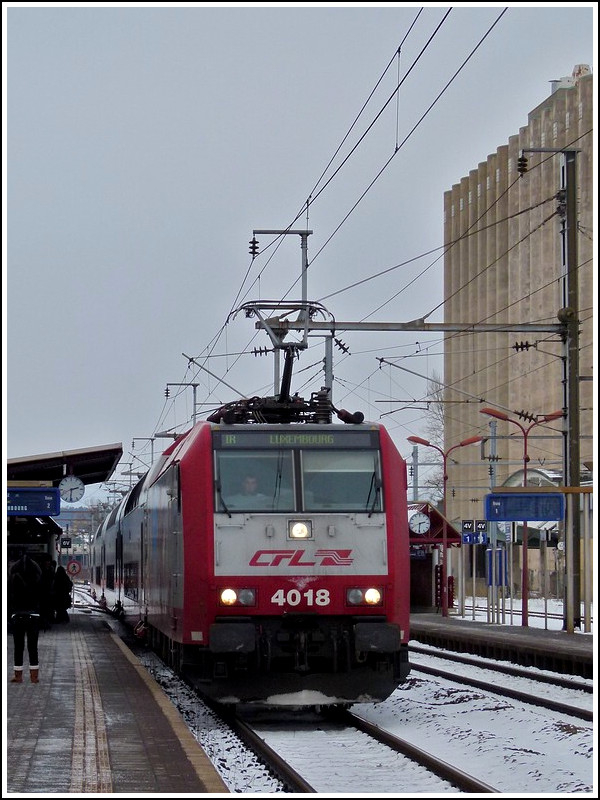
445, 454
492, 412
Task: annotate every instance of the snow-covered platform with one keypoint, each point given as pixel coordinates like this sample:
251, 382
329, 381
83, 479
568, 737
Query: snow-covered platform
96, 722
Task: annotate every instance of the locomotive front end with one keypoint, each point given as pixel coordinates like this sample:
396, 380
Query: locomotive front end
311, 585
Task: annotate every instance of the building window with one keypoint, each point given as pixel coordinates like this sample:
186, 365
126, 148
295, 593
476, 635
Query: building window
567, 120
497, 176
478, 190
555, 130
462, 203
470, 196
580, 111
543, 139
452, 210
488, 182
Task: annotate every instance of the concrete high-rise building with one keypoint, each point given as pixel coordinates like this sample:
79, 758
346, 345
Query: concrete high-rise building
505, 237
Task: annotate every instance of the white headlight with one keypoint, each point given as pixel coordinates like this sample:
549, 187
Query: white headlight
373, 597
228, 597
300, 529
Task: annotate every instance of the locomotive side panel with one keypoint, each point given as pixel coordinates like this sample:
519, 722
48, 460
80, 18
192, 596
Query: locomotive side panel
395, 487
197, 510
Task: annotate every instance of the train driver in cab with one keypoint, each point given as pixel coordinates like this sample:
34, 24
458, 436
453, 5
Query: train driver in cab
249, 495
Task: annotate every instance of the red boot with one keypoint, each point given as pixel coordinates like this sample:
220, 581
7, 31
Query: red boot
18, 676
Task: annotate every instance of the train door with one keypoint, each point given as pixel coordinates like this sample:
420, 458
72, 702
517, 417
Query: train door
103, 568
119, 565
175, 555
145, 549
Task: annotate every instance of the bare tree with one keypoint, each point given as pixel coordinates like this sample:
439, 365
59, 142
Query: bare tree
435, 434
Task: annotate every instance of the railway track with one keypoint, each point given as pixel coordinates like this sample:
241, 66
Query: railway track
506, 691
323, 753
530, 695
341, 727
505, 669
338, 724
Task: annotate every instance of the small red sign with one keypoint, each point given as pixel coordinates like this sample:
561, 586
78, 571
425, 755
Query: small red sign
73, 567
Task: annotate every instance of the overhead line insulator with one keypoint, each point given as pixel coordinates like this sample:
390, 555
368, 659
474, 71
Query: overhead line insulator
526, 415
522, 346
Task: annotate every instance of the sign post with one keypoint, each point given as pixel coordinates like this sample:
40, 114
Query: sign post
467, 527
524, 506
73, 567
65, 544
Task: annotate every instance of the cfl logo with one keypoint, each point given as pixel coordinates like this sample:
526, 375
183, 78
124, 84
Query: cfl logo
298, 558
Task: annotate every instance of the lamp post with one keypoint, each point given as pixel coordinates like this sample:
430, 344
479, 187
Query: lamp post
491, 412
444, 454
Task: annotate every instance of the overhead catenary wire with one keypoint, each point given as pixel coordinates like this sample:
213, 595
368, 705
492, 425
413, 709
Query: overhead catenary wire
220, 332
209, 354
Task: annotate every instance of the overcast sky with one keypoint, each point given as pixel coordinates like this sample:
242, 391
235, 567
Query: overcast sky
143, 144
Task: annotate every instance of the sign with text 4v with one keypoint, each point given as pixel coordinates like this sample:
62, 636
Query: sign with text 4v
474, 531
522, 507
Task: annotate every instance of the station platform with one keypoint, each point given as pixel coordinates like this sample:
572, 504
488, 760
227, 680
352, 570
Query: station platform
96, 722
554, 650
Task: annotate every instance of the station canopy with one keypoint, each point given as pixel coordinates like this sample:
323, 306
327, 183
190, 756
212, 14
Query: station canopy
436, 532
90, 464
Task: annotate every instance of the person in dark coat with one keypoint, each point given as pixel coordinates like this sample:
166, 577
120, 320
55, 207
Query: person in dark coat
24, 583
61, 592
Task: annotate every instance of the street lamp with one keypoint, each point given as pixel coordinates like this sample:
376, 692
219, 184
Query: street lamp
491, 412
445, 454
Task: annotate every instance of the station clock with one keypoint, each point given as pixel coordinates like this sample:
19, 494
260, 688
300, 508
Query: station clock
419, 522
71, 489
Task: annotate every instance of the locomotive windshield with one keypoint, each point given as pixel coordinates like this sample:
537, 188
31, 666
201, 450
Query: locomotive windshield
251, 480
342, 480
297, 478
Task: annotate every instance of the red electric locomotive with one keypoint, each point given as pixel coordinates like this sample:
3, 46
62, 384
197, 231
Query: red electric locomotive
266, 555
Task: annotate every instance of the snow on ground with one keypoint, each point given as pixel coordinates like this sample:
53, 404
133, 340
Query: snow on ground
508, 746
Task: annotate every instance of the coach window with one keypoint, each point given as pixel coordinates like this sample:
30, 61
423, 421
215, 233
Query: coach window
341, 480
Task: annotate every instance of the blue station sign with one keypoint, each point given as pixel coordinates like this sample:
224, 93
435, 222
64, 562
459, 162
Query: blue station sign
522, 507
33, 502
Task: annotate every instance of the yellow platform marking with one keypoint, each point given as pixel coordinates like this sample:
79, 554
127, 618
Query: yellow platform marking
90, 765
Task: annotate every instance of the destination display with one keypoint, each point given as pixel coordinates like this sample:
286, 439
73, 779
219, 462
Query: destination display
302, 438
33, 502
521, 507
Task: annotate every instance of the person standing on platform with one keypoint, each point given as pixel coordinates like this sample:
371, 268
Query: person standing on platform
24, 584
62, 594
